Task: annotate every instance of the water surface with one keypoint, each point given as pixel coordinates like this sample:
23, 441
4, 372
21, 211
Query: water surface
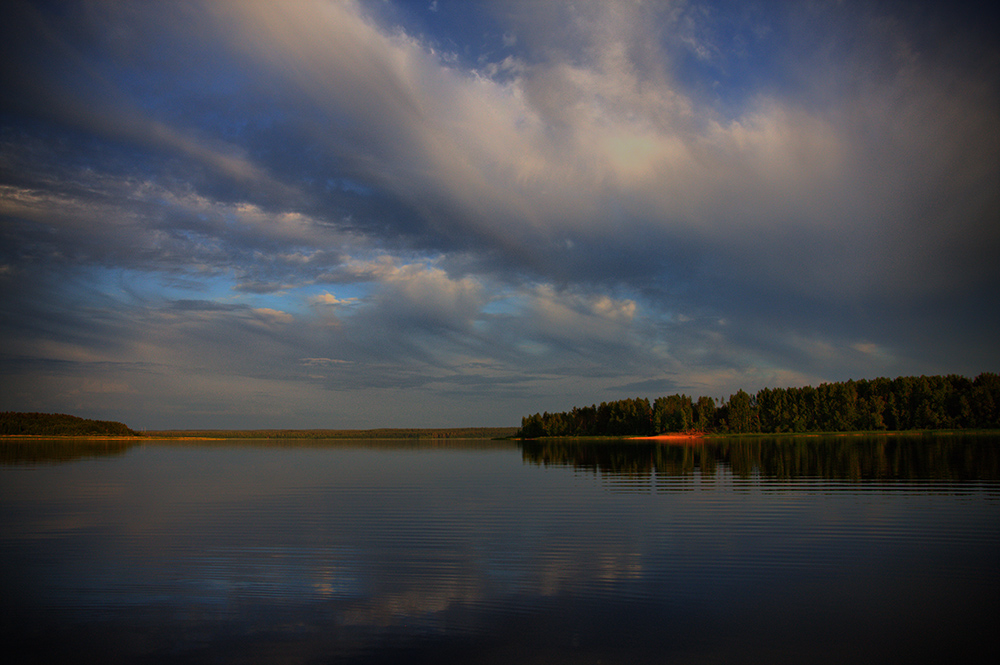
813, 549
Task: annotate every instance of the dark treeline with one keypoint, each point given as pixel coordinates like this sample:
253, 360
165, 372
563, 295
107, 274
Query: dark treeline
13, 423
904, 403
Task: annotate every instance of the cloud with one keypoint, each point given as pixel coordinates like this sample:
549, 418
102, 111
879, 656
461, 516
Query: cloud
574, 316
569, 145
429, 293
322, 362
328, 299
272, 316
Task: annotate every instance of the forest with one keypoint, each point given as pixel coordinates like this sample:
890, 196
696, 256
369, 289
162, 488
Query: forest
13, 423
949, 402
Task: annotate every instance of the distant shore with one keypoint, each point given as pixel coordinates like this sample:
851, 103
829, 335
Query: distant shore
71, 437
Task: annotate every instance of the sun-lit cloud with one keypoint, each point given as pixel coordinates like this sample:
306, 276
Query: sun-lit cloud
272, 315
328, 299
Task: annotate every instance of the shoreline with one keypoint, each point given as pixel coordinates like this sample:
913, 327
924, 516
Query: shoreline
670, 437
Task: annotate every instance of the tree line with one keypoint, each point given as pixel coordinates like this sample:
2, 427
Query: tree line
903, 403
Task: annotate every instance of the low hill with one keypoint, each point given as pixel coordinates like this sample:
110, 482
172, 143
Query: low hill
13, 423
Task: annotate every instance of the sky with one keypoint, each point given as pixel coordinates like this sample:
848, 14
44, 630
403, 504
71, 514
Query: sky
377, 213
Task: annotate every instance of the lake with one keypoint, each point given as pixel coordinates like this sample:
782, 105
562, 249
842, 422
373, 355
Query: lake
790, 550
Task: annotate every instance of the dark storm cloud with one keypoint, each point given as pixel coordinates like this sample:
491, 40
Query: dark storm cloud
304, 209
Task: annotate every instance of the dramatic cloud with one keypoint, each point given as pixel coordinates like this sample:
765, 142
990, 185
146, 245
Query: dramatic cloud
350, 214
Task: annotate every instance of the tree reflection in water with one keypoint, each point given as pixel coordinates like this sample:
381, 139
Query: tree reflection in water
955, 458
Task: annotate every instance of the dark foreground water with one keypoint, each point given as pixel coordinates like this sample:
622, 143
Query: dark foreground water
807, 550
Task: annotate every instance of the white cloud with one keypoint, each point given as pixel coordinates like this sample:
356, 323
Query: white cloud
574, 316
429, 293
328, 299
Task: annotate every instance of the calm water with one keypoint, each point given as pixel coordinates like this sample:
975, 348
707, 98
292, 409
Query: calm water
878, 550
